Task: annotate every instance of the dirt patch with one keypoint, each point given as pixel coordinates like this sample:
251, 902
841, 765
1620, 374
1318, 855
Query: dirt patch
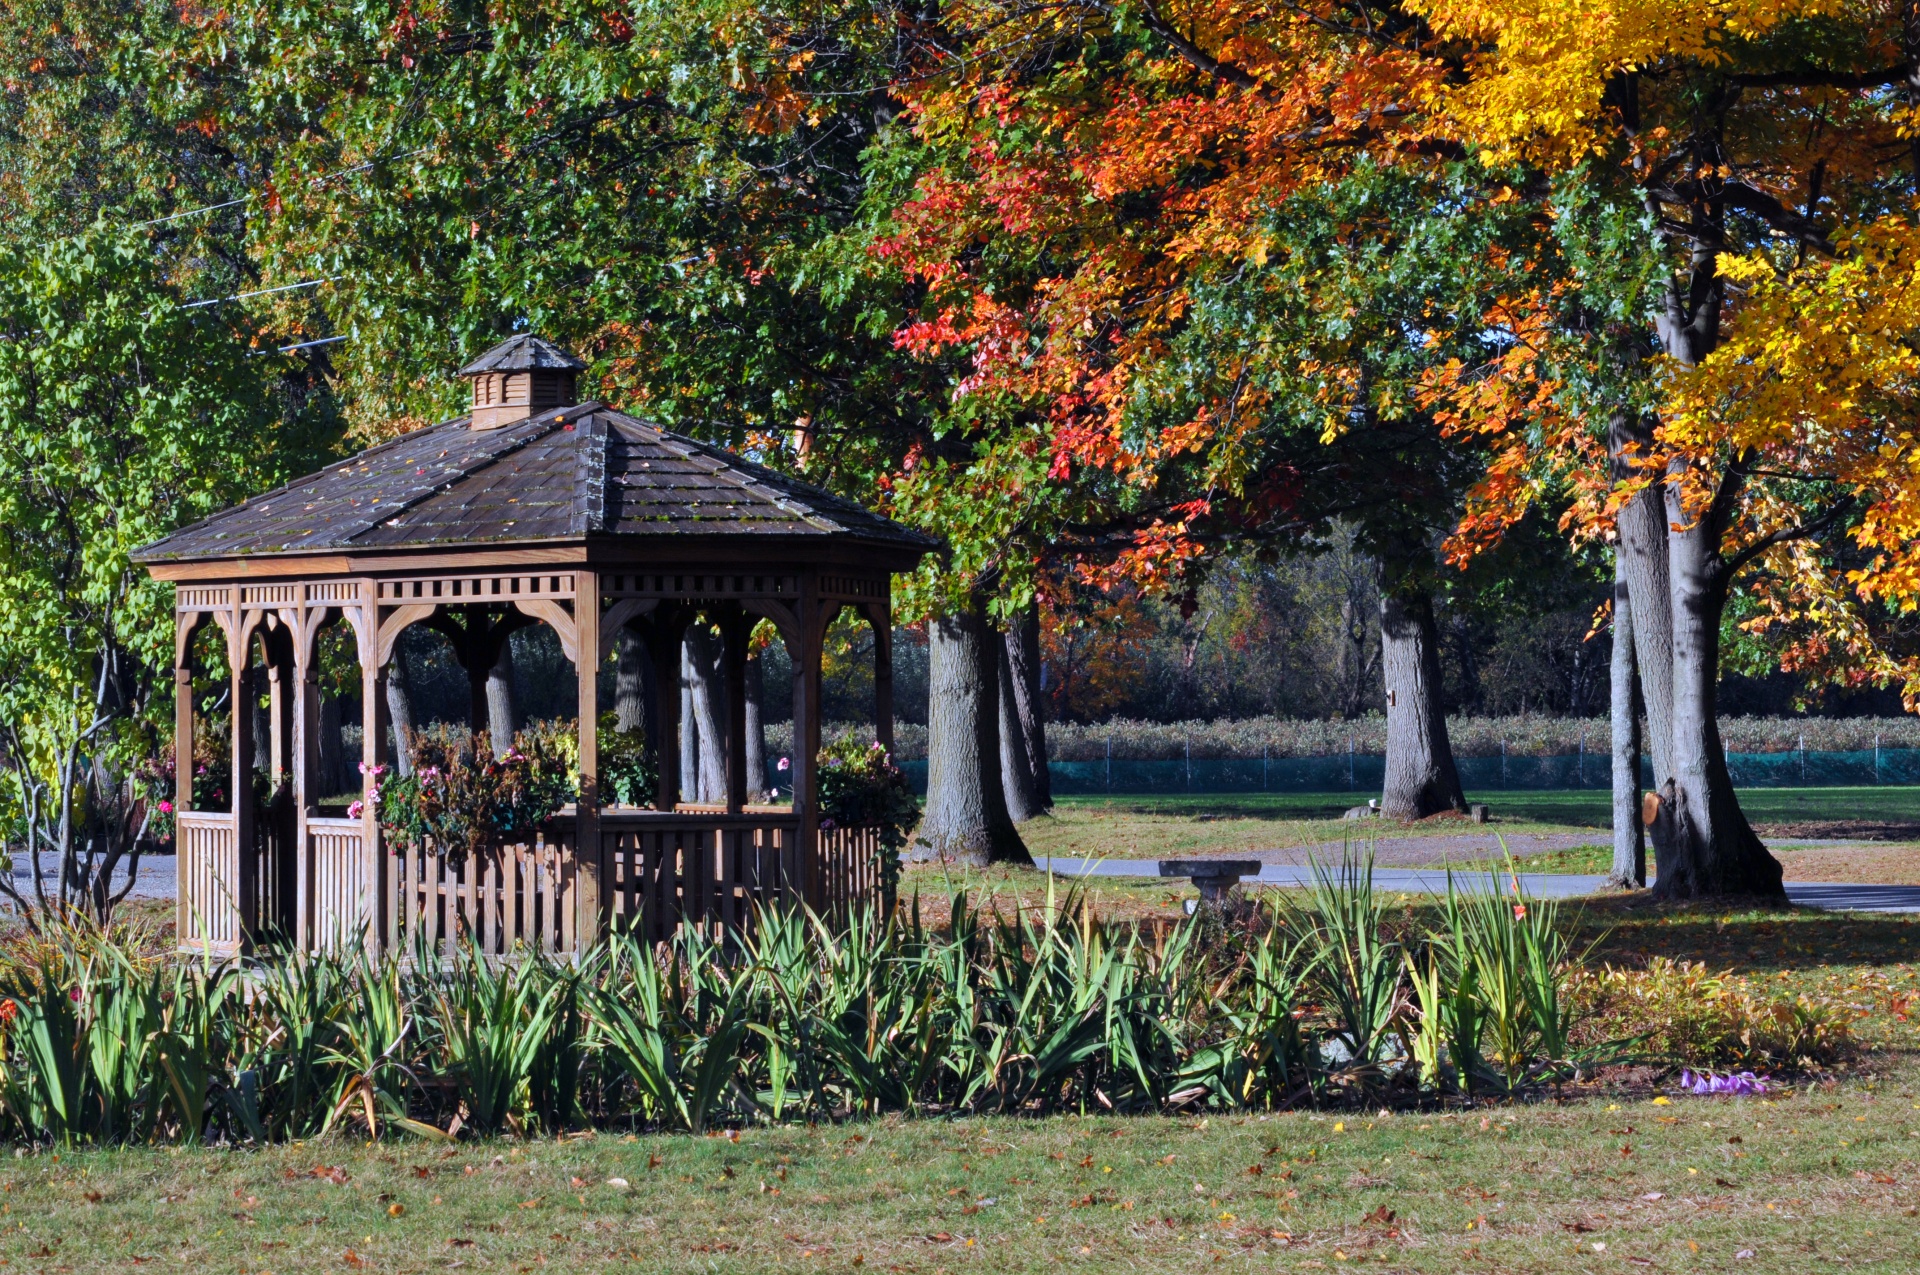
1848, 829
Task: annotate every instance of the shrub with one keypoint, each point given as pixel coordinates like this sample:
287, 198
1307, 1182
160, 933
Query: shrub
860, 787
1521, 735
1682, 1013
461, 799
629, 770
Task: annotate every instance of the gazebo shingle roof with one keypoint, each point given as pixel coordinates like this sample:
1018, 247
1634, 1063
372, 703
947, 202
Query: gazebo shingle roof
567, 473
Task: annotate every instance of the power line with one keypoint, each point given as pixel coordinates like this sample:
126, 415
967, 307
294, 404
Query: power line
308, 345
263, 292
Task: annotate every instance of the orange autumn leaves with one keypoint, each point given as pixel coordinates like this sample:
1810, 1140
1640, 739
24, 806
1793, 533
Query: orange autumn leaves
1070, 214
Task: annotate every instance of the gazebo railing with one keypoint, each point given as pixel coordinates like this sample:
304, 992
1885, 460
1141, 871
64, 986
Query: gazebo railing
502, 898
659, 870
208, 901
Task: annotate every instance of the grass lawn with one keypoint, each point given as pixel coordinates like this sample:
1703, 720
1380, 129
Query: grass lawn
1827, 1173
1151, 827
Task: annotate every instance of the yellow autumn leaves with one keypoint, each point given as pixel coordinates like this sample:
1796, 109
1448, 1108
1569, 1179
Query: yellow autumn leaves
1540, 69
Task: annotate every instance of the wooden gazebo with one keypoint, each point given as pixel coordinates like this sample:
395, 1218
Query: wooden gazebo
531, 508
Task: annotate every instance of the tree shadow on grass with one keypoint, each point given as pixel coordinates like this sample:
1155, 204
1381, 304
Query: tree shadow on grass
1633, 929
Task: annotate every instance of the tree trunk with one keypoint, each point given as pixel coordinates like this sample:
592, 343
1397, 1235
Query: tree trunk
756, 694
1629, 839
1641, 566
400, 710
262, 721
1708, 849
707, 697
966, 820
1025, 726
1421, 777
1016, 768
630, 683
1703, 845
502, 719
332, 749
689, 730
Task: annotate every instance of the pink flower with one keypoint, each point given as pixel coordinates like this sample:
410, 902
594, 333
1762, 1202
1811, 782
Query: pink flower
166, 807
1519, 911
782, 765
356, 809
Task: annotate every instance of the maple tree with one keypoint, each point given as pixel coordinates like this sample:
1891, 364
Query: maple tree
1742, 177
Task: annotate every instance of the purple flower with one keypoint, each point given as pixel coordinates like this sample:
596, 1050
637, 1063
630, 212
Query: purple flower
1742, 1084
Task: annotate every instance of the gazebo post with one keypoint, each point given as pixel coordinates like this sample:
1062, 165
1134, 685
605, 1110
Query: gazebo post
587, 848
184, 626
735, 628
240, 693
804, 762
306, 740
373, 726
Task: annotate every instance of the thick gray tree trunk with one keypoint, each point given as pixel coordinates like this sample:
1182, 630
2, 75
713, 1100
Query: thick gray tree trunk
502, 717
400, 709
1703, 845
1023, 736
1707, 848
689, 731
631, 666
966, 819
1421, 777
332, 749
756, 695
1629, 837
1641, 565
262, 722
706, 697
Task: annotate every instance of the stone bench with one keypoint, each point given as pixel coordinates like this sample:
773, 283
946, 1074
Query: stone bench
1212, 877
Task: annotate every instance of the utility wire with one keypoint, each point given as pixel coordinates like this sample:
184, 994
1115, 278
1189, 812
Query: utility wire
263, 292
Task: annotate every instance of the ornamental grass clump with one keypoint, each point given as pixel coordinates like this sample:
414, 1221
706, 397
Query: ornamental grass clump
1321, 999
461, 799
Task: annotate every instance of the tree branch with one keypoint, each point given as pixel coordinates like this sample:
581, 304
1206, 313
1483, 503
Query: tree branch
1812, 78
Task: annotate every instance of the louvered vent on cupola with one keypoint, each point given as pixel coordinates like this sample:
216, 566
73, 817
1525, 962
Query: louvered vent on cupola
520, 377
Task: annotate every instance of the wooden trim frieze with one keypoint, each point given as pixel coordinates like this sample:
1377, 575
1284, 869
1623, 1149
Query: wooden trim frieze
702, 585
469, 590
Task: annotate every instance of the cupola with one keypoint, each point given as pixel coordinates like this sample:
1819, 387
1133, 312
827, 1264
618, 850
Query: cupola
520, 377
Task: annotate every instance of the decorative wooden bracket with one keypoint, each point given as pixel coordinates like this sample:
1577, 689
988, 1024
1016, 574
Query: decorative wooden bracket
618, 615
398, 619
559, 617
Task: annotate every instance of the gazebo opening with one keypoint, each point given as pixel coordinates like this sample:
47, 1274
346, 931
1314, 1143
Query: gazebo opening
595, 584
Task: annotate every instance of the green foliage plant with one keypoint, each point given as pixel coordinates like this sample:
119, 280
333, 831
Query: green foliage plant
124, 414
461, 799
861, 787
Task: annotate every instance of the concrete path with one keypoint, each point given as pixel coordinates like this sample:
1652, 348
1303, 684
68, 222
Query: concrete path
1539, 885
157, 878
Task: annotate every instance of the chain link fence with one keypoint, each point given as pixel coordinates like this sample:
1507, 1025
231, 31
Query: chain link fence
1359, 772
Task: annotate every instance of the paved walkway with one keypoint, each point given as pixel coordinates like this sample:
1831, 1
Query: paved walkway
157, 882
1539, 885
